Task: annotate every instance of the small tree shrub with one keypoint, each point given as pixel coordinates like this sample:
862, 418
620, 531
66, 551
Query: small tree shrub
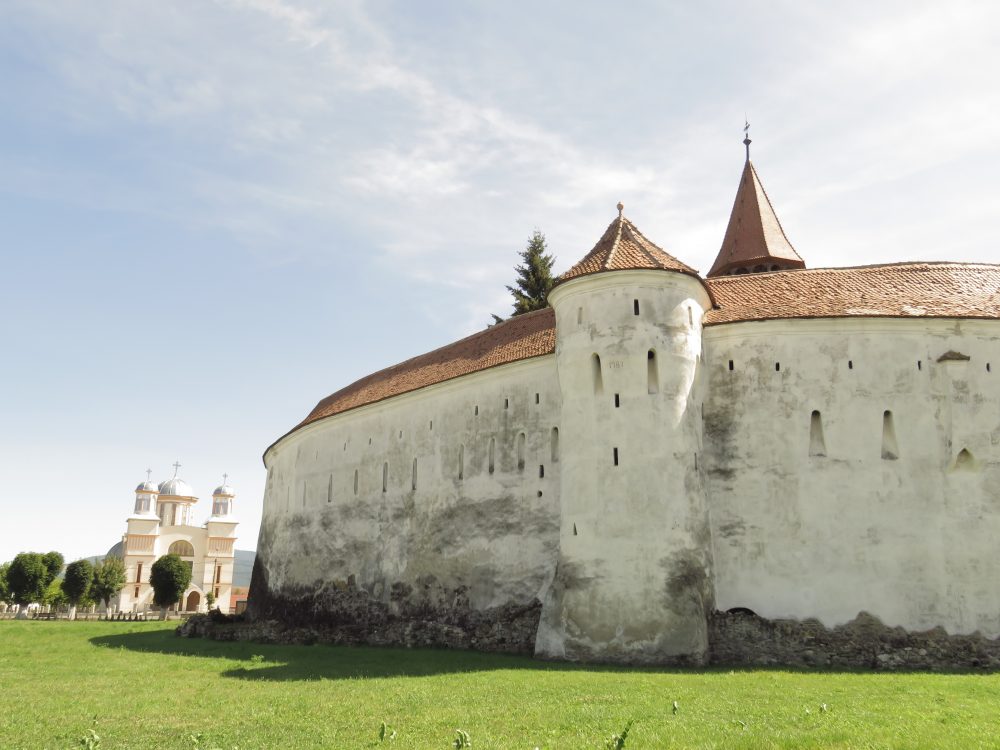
76, 583
169, 576
109, 578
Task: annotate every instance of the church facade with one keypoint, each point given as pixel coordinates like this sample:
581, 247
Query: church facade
162, 522
594, 480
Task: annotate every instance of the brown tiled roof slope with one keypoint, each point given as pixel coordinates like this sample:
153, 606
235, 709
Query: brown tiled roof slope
754, 235
521, 337
623, 248
906, 290
901, 290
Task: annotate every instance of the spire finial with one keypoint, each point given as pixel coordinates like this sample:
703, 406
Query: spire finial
746, 135
177, 466
225, 479
621, 207
149, 473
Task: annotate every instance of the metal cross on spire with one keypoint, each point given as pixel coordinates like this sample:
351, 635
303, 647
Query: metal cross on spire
746, 135
177, 466
149, 473
225, 479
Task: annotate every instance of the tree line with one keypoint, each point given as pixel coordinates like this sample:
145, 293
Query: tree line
33, 578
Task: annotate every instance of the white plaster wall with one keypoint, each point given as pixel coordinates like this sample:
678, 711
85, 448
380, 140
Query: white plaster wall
634, 568
912, 540
494, 533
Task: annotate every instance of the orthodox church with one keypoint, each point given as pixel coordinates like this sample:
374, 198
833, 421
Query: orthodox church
601, 479
162, 522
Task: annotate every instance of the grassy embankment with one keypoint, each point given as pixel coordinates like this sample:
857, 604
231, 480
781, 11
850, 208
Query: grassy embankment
148, 689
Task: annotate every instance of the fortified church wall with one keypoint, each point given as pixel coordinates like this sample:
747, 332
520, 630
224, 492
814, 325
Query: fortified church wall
605, 479
430, 506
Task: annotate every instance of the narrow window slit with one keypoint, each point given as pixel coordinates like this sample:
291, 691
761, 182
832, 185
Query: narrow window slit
329, 490
730, 365
555, 444
617, 401
536, 398
574, 530
598, 377
850, 364
355, 481
890, 449
635, 307
920, 365
652, 373
615, 454
461, 461
777, 366
817, 443
541, 471
385, 476
414, 482
492, 455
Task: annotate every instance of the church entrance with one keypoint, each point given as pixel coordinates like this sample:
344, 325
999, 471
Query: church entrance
193, 600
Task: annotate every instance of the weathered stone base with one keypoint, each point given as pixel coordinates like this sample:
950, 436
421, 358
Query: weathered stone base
735, 638
509, 629
744, 639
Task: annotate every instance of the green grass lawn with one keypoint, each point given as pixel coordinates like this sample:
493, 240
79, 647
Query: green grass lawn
146, 688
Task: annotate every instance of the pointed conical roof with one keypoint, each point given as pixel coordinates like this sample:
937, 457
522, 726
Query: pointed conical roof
623, 248
754, 236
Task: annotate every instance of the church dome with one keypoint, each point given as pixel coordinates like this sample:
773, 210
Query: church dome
176, 487
147, 486
224, 490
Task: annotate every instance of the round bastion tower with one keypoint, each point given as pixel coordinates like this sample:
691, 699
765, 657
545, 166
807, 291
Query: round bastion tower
633, 582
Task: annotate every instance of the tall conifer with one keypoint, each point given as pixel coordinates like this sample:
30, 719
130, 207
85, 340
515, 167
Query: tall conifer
534, 277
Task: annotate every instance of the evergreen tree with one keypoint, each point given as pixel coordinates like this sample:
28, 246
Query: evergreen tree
169, 576
109, 579
534, 277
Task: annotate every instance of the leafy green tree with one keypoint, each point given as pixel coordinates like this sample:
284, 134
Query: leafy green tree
109, 578
169, 576
53, 564
5, 597
534, 277
54, 595
76, 584
27, 578
210, 599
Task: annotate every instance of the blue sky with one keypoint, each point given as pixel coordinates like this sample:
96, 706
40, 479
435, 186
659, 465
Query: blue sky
213, 214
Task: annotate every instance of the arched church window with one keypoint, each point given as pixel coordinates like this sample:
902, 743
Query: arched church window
182, 548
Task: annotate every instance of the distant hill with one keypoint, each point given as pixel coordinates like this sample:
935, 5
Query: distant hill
242, 565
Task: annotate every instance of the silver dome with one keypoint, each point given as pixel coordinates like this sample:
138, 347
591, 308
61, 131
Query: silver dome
147, 486
224, 490
176, 487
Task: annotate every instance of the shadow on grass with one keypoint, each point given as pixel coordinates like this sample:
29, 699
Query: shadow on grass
259, 661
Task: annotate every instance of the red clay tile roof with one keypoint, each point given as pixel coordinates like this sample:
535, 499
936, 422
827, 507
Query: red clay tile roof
754, 235
901, 290
521, 337
624, 248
